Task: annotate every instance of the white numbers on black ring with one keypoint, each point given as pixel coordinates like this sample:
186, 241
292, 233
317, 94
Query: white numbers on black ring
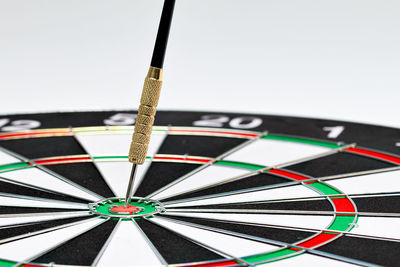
121, 119
245, 122
7, 125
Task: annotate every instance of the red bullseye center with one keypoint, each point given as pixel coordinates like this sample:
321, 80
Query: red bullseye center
122, 209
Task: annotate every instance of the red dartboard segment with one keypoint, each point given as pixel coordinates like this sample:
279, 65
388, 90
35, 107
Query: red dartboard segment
35, 134
228, 263
183, 159
343, 205
374, 154
317, 240
62, 160
291, 175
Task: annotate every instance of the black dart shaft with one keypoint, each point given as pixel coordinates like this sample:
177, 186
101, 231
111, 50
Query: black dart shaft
150, 95
160, 46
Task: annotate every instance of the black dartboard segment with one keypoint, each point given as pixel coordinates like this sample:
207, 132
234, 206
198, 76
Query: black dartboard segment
173, 247
217, 189
86, 175
39, 147
160, 175
198, 145
81, 250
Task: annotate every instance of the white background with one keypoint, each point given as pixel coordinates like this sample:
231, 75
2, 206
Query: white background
327, 59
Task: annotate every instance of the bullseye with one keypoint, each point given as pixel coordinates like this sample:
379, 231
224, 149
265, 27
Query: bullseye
121, 209
115, 208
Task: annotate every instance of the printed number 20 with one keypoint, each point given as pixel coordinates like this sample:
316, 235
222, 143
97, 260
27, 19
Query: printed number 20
220, 120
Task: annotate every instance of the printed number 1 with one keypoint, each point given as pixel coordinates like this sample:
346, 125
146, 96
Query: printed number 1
334, 131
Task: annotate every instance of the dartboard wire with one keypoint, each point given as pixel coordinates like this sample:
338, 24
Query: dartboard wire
281, 244
73, 214
254, 211
252, 173
140, 179
92, 161
275, 226
106, 244
47, 230
150, 244
355, 174
48, 200
382, 194
55, 175
41, 253
204, 166
37, 214
208, 247
289, 212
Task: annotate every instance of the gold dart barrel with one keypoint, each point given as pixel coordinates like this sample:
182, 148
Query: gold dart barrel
145, 118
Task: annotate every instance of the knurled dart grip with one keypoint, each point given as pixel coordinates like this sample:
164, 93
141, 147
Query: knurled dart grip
145, 118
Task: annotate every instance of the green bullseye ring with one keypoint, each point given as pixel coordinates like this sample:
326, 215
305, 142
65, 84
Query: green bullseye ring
143, 207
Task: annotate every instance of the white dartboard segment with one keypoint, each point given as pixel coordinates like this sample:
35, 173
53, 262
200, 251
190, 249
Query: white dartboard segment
115, 144
7, 159
207, 176
273, 152
306, 259
131, 246
116, 175
15, 220
231, 245
296, 221
297, 191
39, 178
367, 184
24, 249
378, 227
39, 203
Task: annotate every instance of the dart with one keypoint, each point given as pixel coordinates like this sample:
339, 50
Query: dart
149, 99
229, 182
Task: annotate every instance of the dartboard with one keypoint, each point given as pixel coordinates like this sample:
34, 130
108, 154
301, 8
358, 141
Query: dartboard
216, 189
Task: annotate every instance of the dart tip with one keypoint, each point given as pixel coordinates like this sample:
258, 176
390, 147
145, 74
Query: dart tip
130, 185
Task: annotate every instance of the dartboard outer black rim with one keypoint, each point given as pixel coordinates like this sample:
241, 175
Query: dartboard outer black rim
217, 189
